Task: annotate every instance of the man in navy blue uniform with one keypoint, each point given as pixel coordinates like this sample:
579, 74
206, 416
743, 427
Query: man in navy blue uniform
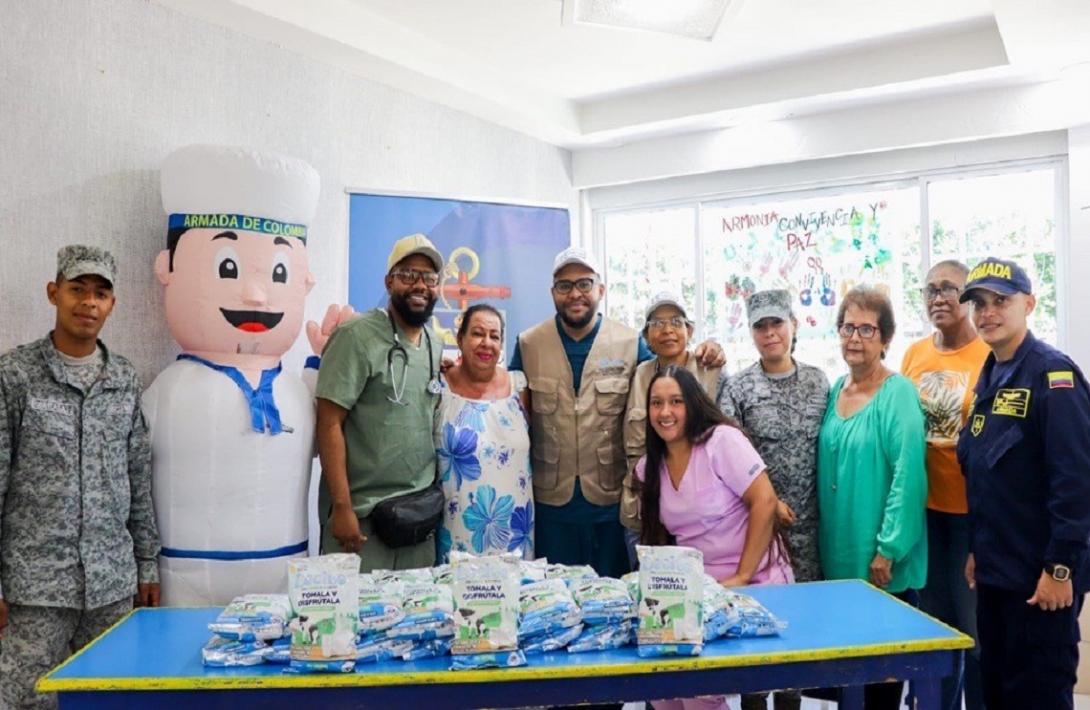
1025, 451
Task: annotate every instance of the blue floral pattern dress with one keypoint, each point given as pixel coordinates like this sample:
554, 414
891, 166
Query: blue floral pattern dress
483, 452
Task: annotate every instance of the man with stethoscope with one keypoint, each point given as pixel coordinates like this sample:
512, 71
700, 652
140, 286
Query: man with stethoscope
378, 386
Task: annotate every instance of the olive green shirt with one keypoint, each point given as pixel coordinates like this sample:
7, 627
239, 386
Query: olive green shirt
390, 448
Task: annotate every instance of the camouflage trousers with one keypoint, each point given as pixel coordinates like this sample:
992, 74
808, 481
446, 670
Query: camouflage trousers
802, 543
39, 638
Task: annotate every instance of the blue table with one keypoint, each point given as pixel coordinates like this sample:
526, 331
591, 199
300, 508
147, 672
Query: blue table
839, 634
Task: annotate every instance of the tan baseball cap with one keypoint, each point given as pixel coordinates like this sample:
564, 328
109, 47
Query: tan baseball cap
665, 298
414, 244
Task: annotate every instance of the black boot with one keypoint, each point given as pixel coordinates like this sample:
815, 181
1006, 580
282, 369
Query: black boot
755, 701
787, 700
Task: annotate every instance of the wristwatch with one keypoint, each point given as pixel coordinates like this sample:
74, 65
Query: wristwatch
1060, 573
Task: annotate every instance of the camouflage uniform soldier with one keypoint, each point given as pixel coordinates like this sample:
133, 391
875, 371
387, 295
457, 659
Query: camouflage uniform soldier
781, 403
77, 530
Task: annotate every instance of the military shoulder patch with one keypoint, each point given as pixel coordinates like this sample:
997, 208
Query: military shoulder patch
978, 424
1061, 379
1011, 403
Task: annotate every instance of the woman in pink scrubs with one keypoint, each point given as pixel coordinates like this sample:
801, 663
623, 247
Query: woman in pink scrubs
712, 492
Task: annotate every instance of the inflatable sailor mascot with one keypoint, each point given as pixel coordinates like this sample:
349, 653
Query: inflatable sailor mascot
233, 432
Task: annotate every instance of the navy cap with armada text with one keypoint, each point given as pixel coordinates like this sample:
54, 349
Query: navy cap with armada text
999, 276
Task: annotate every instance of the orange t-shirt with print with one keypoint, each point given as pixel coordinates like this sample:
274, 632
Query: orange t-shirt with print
946, 380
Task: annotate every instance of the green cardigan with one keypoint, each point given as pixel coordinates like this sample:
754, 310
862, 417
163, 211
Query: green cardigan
872, 486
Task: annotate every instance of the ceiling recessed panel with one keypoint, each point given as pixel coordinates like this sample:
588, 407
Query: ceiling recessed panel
528, 40
695, 19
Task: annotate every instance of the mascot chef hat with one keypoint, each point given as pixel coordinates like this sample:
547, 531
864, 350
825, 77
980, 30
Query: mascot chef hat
226, 187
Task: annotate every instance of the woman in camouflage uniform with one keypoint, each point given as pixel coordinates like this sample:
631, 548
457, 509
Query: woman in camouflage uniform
781, 403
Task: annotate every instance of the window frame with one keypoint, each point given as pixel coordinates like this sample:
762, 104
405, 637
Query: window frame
921, 179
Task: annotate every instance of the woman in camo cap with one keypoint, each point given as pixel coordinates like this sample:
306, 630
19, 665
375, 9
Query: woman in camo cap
781, 403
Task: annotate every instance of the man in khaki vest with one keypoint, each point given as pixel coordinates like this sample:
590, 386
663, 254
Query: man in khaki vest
579, 366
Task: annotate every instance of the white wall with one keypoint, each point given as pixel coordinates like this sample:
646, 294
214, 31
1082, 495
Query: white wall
93, 95
777, 177
1078, 262
849, 129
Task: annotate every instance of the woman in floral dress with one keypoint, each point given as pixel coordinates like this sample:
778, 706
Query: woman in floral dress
482, 443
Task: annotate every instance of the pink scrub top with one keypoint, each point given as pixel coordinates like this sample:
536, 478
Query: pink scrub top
707, 511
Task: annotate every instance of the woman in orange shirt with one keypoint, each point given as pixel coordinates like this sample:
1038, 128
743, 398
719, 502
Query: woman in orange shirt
945, 366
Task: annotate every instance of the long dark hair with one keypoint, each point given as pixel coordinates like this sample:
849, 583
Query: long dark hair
702, 416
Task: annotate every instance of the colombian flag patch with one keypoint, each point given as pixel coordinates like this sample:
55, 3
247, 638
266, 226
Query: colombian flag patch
1061, 378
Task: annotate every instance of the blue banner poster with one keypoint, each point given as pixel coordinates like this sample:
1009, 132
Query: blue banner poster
495, 253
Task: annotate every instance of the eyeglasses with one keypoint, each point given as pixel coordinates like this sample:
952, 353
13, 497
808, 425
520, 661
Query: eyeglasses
411, 276
948, 291
676, 322
866, 331
564, 286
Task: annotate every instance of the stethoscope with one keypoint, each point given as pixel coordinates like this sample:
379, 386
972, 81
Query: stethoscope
397, 351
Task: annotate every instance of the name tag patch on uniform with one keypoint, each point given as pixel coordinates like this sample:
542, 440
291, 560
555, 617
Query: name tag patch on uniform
1011, 403
1061, 379
978, 424
51, 406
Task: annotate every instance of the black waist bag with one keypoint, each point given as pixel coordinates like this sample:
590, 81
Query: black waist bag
411, 518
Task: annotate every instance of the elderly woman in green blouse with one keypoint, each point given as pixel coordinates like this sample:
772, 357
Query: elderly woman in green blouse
872, 484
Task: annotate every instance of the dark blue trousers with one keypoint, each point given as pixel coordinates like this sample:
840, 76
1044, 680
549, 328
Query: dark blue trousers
1028, 657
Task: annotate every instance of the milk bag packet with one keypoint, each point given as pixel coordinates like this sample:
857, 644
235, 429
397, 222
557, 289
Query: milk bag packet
486, 600
429, 612
550, 640
751, 618
632, 581
604, 600
546, 606
428, 649
380, 604
533, 570
494, 659
372, 650
571, 574
719, 613
253, 617
419, 575
443, 574
324, 594
653, 650
222, 652
279, 651
603, 637
671, 613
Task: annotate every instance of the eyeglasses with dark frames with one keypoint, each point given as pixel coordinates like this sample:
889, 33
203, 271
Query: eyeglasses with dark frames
411, 276
565, 286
